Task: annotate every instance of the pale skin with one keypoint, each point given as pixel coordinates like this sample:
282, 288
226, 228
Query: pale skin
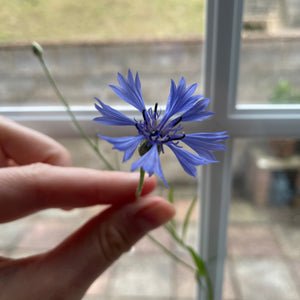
36, 174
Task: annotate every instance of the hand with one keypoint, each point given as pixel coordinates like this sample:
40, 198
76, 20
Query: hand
35, 174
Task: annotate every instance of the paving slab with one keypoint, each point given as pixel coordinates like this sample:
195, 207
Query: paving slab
242, 211
145, 245
295, 268
19, 252
11, 232
289, 239
45, 234
142, 276
252, 240
191, 238
265, 279
229, 292
184, 282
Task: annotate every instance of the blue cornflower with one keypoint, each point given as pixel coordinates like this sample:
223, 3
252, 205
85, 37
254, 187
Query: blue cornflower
155, 131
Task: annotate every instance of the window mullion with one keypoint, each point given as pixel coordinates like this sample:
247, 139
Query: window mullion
215, 195
221, 66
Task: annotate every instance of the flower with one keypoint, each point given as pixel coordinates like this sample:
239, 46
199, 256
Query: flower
155, 131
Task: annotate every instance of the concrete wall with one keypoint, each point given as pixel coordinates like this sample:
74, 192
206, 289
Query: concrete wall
265, 61
84, 70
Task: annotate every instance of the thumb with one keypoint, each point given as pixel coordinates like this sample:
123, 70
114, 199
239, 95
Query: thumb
78, 261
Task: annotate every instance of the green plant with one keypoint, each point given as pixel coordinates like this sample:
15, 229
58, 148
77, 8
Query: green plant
284, 93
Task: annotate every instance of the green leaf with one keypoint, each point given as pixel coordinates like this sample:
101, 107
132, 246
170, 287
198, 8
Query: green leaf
171, 195
198, 261
187, 217
171, 254
199, 279
171, 200
202, 273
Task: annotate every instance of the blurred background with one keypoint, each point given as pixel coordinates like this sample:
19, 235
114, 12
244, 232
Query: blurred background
86, 43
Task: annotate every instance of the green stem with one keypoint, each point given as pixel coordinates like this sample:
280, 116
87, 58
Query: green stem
203, 272
171, 254
141, 182
69, 111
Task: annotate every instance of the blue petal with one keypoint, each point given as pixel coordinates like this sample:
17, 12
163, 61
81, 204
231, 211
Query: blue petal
208, 136
130, 90
204, 143
127, 144
180, 99
150, 163
197, 112
111, 116
188, 160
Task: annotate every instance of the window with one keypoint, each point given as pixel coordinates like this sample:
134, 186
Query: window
245, 104
222, 56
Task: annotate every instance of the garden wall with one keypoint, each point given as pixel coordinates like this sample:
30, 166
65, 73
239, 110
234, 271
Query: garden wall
84, 70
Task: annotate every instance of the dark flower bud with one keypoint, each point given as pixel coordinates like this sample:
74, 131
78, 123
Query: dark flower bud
144, 147
37, 49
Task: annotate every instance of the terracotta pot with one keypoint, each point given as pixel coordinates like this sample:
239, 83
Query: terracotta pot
282, 147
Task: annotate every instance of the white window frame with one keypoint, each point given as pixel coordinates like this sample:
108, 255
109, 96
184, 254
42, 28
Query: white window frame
222, 49
221, 62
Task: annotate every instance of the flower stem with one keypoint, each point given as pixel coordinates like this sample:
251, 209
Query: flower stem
140, 187
39, 53
202, 270
171, 254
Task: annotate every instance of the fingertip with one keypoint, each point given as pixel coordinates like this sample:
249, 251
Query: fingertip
154, 212
149, 184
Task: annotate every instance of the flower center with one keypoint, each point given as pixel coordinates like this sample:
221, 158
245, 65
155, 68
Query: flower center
155, 132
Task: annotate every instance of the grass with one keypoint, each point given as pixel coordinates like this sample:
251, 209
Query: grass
69, 20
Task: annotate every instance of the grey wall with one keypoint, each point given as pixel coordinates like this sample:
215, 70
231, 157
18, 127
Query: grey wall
84, 71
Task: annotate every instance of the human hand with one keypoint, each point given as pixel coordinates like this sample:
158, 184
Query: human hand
35, 174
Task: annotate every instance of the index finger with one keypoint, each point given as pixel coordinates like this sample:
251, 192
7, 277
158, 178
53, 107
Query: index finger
25, 146
27, 189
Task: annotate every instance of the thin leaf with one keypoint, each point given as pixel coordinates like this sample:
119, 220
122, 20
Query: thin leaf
171, 200
202, 272
171, 254
198, 261
187, 217
171, 195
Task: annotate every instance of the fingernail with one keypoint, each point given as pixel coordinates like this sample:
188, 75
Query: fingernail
134, 175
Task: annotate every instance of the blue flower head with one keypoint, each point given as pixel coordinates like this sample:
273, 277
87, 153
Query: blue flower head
155, 131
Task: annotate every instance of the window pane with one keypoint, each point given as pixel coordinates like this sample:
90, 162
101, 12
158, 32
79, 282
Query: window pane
270, 57
263, 234
85, 47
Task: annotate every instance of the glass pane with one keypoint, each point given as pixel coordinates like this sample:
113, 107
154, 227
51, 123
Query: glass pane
270, 56
263, 234
85, 47
145, 272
